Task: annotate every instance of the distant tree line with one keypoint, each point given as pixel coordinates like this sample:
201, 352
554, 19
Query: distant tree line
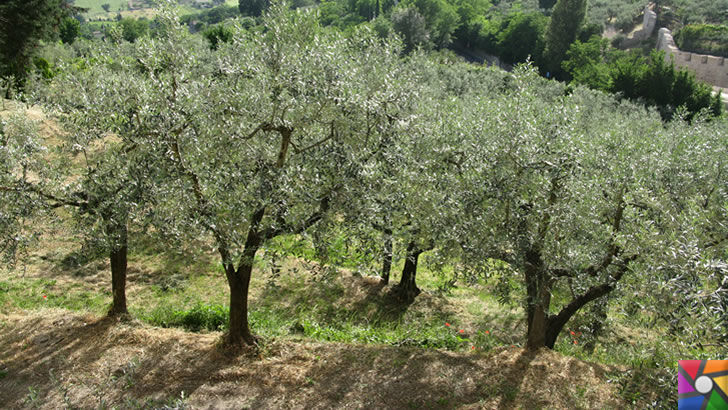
649, 79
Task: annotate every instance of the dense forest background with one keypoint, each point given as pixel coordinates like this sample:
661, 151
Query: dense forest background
578, 43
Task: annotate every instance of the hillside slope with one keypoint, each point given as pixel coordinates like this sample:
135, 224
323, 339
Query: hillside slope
54, 359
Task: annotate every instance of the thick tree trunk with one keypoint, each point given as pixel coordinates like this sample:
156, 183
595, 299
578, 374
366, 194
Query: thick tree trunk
407, 288
239, 283
538, 329
557, 322
387, 257
118, 259
538, 299
543, 328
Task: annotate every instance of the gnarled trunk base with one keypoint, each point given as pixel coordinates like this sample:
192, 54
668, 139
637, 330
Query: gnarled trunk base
407, 290
239, 282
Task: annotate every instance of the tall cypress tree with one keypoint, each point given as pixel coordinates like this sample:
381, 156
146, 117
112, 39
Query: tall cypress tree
23, 23
566, 19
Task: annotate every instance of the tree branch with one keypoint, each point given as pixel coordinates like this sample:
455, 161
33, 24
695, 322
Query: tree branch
592, 293
310, 221
59, 201
612, 250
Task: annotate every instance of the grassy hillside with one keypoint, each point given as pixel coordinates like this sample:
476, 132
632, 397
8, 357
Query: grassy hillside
94, 6
95, 9
57, 359
331, 337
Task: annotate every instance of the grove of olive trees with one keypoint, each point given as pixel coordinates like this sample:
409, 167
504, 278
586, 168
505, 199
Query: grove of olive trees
573, 194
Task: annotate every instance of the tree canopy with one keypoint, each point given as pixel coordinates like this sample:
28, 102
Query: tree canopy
566, 20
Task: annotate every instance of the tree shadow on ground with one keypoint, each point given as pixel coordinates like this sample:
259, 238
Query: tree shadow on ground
359, 298
106, 362
92, 362
150, 263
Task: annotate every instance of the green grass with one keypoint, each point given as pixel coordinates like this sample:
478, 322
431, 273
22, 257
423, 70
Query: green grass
277, 323
31, 294
296, 304
95, 9
94, 6
293, 296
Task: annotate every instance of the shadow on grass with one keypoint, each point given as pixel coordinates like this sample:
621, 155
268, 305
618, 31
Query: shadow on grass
105, 363
80, 359
344, 297
150, 263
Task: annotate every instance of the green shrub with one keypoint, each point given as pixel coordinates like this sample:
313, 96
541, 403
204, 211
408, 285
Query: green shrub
44, 67
205, 317
703, 39
218, 34
201, 317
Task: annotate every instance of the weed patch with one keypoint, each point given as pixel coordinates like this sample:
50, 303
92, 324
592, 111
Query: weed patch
202, 316
29, 294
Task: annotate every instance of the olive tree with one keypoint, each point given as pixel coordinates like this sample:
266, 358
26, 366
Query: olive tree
413, 196
93, 175
565, 190
413, 199
99, 165
20, 162
266, 136
688, 285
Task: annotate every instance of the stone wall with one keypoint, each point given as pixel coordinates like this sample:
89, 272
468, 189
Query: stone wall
710, 69
649, 20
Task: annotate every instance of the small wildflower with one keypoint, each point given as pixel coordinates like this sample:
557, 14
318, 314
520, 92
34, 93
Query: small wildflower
472, 347
462, 331
513, 345
572, 333
447, 324
576, 342
44, 297
578, 334
487, 332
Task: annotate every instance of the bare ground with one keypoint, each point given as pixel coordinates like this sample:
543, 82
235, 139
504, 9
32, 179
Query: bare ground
57, 359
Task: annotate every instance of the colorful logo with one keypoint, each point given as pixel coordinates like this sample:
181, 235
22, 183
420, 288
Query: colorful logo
702, 384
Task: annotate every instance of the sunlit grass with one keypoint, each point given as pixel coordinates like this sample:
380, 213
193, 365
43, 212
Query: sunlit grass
34, 293
296, 297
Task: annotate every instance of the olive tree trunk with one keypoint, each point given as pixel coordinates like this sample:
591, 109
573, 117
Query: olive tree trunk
407, 289
387, 257
544, 328
239, 282
118, 260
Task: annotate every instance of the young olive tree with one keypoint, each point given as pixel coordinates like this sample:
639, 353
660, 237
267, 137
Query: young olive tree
416, 200
92, 176
413, 199
266, 136
100, 166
